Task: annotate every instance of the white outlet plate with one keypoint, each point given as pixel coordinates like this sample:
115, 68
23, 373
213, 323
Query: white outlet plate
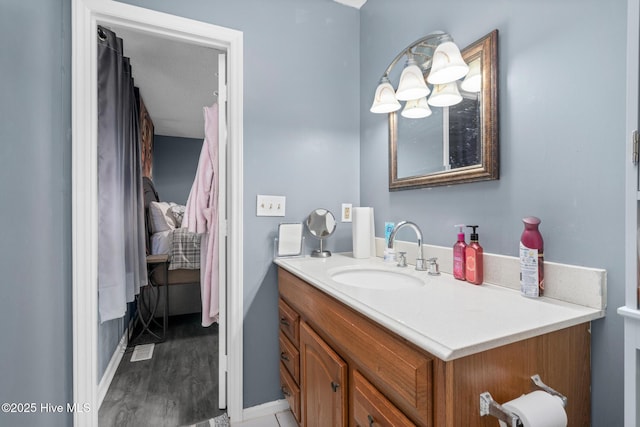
270, 205
346, 212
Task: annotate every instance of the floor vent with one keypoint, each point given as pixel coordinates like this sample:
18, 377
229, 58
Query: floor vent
142, 352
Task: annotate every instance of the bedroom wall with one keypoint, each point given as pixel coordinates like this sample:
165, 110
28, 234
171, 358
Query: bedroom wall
175, 161
35, 189
561, 137
301, 140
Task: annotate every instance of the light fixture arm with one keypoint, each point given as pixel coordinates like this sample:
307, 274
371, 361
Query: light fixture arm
435, 38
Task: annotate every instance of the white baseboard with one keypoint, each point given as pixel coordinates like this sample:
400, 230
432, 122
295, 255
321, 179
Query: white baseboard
110, 372
269, 408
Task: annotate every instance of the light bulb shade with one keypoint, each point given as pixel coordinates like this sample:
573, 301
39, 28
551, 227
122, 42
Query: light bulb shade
445, 95
412, 84
447, 64
416, 109
384, 101
473, 81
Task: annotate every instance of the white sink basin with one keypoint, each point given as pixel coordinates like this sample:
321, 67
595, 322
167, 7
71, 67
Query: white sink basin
375, 278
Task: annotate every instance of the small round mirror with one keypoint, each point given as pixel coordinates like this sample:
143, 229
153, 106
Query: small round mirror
321, 224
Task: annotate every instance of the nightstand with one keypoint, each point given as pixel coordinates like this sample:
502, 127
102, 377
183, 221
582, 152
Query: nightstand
148, 299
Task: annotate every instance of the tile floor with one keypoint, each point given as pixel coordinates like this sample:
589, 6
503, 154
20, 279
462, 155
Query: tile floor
281, 419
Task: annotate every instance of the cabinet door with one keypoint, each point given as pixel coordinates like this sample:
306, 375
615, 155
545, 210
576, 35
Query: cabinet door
323, 382
372, 409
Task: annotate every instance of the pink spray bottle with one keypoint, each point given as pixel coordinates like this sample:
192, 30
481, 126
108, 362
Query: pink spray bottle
531, 259
459, 257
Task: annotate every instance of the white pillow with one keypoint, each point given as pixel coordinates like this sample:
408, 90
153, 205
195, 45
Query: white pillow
161, 217
161, 242
178, 213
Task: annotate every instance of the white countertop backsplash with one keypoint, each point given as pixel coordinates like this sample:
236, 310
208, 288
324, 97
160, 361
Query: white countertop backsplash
451, 318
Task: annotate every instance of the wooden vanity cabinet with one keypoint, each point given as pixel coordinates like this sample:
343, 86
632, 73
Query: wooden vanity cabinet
371, 408
290, 356
382, 379
323, 382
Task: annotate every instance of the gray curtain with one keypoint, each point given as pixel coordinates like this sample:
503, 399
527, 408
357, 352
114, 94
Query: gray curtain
121, 234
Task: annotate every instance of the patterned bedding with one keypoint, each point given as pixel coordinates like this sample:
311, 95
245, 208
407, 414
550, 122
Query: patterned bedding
182, 246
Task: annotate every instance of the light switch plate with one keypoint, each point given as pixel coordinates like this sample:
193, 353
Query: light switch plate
270, 205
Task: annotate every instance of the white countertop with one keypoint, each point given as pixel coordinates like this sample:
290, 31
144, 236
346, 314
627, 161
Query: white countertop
446, 317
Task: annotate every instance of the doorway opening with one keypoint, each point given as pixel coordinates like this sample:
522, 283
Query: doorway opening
87, 15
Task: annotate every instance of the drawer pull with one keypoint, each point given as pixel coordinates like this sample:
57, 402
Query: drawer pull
334, 386
284, 356
285, 391
370, 418
284, 321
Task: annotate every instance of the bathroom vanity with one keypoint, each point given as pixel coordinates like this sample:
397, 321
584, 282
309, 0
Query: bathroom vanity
420, 352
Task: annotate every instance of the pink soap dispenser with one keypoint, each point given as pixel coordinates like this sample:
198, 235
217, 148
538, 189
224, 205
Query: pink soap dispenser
459, 257
531, 259
474, 272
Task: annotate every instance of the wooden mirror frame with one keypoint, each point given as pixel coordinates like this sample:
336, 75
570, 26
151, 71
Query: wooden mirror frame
485, 48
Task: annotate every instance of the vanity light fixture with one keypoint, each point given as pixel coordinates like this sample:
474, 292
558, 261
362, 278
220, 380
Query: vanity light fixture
473, 81
445, 95
436, 51
416, 109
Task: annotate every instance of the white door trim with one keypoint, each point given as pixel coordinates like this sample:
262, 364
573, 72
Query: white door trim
86, 15
222, 230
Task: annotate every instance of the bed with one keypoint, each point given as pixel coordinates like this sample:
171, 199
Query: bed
182, 248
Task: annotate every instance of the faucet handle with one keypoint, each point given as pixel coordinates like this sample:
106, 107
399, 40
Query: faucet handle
432, 267
402, 259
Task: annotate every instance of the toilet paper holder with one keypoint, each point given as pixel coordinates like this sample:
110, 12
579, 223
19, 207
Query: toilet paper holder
488, 406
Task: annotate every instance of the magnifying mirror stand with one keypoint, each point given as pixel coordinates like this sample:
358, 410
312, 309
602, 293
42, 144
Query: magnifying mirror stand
321, 224
320, 253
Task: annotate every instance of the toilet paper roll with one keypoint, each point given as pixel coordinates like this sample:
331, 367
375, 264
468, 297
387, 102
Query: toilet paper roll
538, 409
362, 232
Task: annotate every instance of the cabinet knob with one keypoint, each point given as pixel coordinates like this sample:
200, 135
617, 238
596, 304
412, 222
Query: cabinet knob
284, 321
284, 356
285, 391
334, 386
370, 418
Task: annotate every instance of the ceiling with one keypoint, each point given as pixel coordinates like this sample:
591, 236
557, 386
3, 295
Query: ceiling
175, 79
353, 3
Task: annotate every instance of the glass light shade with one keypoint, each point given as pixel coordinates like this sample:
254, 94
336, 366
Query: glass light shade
473, 81
412, 84
447, 64
445, 95
416, 109
384, 101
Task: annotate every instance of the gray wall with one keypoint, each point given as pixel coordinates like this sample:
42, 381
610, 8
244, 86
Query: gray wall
301, 140
35, 195
175, 161
562, 109
567, 136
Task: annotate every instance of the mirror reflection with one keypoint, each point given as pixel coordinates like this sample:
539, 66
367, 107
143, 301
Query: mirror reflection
454, 144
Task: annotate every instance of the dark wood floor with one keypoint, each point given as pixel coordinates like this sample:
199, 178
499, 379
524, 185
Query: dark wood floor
177, 387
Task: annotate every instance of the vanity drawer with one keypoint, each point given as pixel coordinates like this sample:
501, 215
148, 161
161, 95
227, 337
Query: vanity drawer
371, 408
290, 357
289, 322
291, 391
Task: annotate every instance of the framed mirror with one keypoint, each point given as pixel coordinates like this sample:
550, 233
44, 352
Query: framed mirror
456, 144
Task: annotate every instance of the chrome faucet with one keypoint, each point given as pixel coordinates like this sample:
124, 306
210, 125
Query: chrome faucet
421, 264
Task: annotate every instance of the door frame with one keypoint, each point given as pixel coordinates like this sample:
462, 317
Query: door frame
86, 15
